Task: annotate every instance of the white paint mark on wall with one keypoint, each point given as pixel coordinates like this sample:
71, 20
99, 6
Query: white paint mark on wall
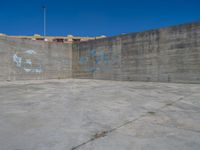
28, 61
27, 70
34, 70
37, 70
17, 60
30, 52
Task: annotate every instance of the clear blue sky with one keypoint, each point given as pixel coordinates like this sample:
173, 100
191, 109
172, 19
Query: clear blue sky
94, 17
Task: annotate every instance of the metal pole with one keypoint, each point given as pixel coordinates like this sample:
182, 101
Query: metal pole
44, 8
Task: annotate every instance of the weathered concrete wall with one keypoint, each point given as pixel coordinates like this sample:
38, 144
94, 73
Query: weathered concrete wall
26, 59
168, 55
100, 59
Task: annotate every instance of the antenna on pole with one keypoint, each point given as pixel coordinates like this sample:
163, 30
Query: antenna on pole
45, 21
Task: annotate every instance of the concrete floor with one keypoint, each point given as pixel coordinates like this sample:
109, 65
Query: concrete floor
99, 115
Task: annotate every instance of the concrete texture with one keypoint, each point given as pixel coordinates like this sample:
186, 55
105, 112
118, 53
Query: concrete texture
169, 54
27, 59
99, 115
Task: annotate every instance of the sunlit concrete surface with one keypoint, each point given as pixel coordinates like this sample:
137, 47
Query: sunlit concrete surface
99, 115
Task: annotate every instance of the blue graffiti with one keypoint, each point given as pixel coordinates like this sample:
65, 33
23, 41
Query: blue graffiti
83, 60
97, 60
104, 57
93, 53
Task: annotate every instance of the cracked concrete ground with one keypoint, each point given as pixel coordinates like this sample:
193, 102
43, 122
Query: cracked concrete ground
99, 115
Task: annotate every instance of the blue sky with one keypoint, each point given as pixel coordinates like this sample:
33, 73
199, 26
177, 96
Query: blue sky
94, 17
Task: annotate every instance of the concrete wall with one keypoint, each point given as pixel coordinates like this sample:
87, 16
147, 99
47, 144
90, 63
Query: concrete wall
99, 59
168, 55
26, 59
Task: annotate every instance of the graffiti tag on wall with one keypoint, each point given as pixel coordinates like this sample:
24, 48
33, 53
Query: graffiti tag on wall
25, 62
102, 60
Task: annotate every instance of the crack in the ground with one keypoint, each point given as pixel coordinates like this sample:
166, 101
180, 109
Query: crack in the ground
105, 133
